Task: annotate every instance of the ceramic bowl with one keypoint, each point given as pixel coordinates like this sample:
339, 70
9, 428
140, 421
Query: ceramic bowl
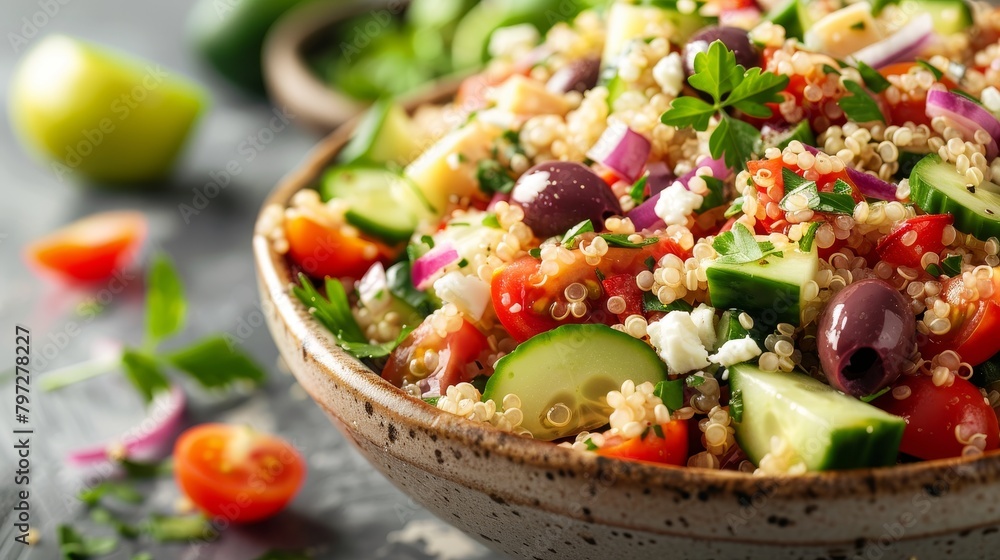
531, 499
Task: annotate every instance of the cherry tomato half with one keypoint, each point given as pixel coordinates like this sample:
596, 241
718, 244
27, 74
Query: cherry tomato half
933, 413
974, 324
901, 247
454, 353
668, 445
91, 249
524, 307
235, 472
331, 251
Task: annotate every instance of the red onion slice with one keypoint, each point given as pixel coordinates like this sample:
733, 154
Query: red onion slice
869, 185
150, 438
644, 216
622, 150
966, 115
903, 45
428, 265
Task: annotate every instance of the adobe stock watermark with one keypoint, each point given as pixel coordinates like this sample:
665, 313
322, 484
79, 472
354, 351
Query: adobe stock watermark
248, 150
30, 26
118, 111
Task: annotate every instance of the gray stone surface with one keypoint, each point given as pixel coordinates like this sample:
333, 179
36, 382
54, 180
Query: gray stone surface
345, 510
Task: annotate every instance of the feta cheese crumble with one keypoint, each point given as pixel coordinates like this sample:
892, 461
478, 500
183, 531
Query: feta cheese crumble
736, 351
676, 340
676, 203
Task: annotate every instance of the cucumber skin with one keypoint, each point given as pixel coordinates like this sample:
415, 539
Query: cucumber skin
372, 227
587, 343
933, 200
849, 448
747, 291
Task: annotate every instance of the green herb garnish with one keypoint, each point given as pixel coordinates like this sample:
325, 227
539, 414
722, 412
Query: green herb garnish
638, 191
74, 546
671, 393
730, 87
493, 178
739, 245
839, 201
806, 241
735, 208
736, 406
490, 220
621, 240
952, 265
873, 80
170, 528
930, 68
860, 107
652, 303
694, 380
569, 239
214, 362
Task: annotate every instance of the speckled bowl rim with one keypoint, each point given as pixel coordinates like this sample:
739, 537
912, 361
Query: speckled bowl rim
275, 277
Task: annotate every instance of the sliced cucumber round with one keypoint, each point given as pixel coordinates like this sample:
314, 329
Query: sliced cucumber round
937, 188
576, 365
381, 202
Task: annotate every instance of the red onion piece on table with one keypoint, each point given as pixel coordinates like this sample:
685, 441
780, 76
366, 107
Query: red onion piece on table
905, 44
966, 115
622, 150
150, 438
429, 264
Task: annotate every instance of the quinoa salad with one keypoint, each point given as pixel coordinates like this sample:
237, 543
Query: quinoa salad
754, 236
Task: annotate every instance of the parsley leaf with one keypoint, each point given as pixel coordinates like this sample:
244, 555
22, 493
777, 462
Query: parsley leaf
652, 303
715, 195
144, 372
621, 240
671, 393
569, 239
74, 546
873, 80
638, 190
401, 286
755, 89
735, 208
591, 446
839, 201
730, 86
827, 69
167, 528
104, 516
860, 107
119, 490
739, 245
332, 311
733, 140
367, 350
493, 178
216, 363
931, 68
716, 71
694, 380
952, 265
806, 241
490, 220
165, 305
689, 111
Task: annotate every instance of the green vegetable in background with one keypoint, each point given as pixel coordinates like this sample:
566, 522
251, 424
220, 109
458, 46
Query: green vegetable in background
229, 35
94, 112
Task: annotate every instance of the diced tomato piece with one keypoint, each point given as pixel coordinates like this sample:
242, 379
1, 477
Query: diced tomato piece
667, 445
332, 251
624, 286
910, 239
974, 323
453, 354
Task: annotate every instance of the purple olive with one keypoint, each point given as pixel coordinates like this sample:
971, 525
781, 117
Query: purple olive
866, 335
579, 75
734, 38
557, 195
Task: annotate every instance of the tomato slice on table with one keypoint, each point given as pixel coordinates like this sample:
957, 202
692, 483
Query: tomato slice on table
668, 445
453, 355
901, 247
90, 249
332, 251
525, 308
235, 472
933, 413
974, 324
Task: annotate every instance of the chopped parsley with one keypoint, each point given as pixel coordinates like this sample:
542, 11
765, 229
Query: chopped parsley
493, 178
736, 406
621, 240
739, 245
860, 107
671, 393
931, 68
652, 303
839, 201
638, 191
806, 241
873, 80
730, 87
952, 265
735, 208
569, 239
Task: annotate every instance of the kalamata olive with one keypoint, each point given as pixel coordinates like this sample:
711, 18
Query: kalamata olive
734, 38
866, 335
579, 75
557, 195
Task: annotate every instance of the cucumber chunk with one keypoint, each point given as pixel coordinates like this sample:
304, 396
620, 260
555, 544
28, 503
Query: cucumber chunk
937, 188
769, 289
950, 16
827, 429
381, 203
788, 14
385, 135
576, 365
